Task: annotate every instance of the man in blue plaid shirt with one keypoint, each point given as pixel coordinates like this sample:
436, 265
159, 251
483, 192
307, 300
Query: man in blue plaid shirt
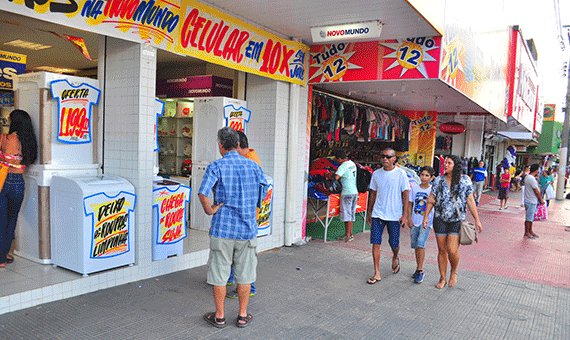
238, 184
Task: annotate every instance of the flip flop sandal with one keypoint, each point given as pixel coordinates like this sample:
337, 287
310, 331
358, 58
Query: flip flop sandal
246, 320
373, 280
214, 321
396, 269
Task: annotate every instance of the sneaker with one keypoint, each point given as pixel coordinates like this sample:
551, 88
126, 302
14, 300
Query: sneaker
415, 274
234, 294
345, 238
419, 277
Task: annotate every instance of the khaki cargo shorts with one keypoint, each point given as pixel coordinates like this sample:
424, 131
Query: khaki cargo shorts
224, 252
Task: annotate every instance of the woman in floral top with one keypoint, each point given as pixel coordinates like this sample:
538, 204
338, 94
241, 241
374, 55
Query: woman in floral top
446, 223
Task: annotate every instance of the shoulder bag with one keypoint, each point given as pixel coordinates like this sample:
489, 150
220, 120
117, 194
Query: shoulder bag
467, 231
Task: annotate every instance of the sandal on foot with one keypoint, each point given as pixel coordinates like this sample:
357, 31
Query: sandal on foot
214, 321
452, 282
373, 280
246, 320
396, 269
9, 259
440, 281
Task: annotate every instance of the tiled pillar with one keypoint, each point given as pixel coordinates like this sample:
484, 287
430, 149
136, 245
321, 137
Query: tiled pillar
268, 101
129, 89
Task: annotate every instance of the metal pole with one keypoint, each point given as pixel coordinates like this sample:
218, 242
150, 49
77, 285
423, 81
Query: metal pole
563, 151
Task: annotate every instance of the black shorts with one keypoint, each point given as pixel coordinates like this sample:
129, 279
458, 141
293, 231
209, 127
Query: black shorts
442, 228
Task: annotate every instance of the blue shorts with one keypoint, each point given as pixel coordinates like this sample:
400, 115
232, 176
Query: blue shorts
419, 236
393, 232
530, 211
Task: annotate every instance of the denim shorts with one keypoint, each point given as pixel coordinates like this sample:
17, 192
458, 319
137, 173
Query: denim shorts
530, 211
419, 236
377, 229
443, 228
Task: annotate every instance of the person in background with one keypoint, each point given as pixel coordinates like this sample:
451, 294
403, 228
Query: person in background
546, 190
479, 178
526, 171
446, 222
419, 233
532, 197
244, 150
505, 180
18, 149
388, 201
346, 174
238, 184
516, 180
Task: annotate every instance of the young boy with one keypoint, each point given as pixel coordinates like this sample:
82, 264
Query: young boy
419, 234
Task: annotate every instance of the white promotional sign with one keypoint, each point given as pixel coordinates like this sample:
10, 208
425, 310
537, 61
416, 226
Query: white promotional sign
368, 30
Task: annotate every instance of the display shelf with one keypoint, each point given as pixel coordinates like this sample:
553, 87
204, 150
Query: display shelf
175, 137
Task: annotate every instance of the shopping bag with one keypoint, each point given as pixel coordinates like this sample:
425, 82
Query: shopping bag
549, 194
541, 213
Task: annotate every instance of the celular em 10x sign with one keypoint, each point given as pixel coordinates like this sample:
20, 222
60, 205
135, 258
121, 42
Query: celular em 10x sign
354, 31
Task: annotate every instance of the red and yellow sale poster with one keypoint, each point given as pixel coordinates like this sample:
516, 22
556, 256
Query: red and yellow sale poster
170, 202
422, 139
74, 105
412, 58
111, 223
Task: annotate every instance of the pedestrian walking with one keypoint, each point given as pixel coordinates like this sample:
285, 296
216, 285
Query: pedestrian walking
346, 174
238, 184
388, 201
419, 233
479, 177
532, 197
448, 192
244, 150
505, 180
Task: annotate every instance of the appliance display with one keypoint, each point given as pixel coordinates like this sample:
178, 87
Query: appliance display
169, 216
92, 223
63, 112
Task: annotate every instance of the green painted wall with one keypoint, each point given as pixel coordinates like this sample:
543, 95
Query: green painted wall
549, 140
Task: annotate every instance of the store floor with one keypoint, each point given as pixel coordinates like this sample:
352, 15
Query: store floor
24, 275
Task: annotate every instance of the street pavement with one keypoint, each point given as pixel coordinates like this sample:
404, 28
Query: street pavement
508, 288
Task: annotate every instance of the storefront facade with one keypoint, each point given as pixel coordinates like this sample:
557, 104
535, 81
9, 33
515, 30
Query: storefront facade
272, 83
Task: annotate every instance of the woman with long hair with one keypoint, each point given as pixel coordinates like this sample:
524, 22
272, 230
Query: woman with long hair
446, 224
18, 149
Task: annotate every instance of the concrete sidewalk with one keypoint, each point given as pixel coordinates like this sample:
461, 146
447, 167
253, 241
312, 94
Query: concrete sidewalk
508, 288
325, 298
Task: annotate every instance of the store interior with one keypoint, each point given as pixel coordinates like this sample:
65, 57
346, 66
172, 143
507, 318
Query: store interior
47, 49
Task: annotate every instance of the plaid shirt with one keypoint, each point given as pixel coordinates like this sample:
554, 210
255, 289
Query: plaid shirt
237, 182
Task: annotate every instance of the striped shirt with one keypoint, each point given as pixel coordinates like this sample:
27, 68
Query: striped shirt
237, 182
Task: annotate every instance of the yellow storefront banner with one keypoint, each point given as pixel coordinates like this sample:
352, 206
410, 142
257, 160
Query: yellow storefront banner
422, 138
180, 26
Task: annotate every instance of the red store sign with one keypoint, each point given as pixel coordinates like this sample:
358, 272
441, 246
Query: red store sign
452, 128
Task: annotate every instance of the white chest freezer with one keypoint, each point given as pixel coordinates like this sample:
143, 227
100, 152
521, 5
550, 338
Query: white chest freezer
169, 216
92, 223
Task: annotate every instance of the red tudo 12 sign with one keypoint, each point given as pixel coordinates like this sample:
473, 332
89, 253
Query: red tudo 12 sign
452, 128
